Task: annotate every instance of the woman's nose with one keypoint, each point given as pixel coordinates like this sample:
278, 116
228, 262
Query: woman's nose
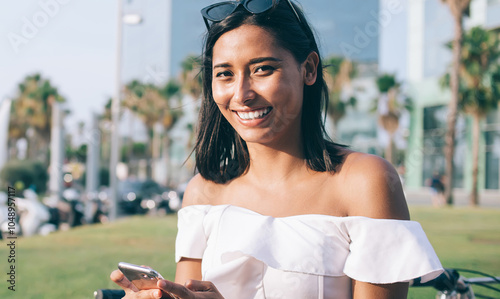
243, 90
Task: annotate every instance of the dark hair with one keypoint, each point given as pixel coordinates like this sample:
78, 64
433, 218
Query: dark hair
221, 154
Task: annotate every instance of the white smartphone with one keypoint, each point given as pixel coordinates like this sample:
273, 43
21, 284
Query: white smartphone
143, 278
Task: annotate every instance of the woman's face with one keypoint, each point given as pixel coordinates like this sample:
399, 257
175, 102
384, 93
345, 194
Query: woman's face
258, 85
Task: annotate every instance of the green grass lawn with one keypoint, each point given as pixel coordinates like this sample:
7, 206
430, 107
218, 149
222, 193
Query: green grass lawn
74, 263
463, 238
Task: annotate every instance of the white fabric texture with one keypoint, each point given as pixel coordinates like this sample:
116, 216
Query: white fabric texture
249, 255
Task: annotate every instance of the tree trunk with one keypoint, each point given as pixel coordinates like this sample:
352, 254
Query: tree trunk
130, 141
334, 126
155, 151
149, 155
389, 150
12, 151
43, 152
105, 146
29, 148
452, 110
166, 154
476, 131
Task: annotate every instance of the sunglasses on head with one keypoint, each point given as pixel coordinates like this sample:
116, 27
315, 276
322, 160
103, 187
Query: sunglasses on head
219, 11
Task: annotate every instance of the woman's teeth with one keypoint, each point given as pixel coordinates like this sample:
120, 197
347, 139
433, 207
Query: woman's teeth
254, 114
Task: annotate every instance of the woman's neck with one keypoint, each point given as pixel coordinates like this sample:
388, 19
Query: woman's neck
275, 164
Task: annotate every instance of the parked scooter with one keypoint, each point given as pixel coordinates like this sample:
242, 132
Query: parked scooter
76, 209
31, 216
97, 206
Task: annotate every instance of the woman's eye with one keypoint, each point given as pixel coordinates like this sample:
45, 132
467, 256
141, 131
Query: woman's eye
223, 74
267, 69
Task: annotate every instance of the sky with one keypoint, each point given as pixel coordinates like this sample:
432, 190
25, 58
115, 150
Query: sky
70, 42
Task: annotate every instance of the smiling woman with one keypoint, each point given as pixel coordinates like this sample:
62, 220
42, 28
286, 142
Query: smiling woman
278, 210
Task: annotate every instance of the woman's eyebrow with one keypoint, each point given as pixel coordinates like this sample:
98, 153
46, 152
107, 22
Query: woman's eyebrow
252, 61
223, 65
262, 59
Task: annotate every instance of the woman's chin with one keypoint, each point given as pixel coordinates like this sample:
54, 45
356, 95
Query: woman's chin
264, 137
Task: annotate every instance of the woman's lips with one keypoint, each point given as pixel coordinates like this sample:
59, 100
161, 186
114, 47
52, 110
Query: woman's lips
255, 114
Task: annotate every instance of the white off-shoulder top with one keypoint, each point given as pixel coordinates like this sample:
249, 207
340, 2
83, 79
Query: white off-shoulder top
250, 255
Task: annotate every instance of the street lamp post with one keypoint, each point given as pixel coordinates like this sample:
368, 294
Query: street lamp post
131, 19
56, 152
115, 119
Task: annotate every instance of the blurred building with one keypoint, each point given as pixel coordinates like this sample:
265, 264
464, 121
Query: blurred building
413, 47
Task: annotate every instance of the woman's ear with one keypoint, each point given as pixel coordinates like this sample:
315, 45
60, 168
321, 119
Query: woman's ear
311, 68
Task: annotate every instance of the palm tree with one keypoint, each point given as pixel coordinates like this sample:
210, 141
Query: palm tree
153, 106
17, 128
170, 91
191, 76
458, 9
191, 84
479, 87
106, 115
104, 124
146, 102
390, 106
33, 111
338, 77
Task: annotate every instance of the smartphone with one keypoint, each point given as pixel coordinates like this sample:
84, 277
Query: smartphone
143, 278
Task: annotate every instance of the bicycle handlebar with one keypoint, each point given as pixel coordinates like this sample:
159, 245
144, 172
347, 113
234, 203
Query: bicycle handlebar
447, 281
109, 294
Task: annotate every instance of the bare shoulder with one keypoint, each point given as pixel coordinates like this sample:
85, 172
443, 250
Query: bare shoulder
200, 191
371, 187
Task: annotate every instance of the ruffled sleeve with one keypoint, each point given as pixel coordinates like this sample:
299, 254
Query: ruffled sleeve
388, 251
191, 238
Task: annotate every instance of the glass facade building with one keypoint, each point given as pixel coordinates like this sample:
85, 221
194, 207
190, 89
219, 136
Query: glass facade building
428, 27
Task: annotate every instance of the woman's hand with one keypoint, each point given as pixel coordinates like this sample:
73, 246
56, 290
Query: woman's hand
131, 291
193, 289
